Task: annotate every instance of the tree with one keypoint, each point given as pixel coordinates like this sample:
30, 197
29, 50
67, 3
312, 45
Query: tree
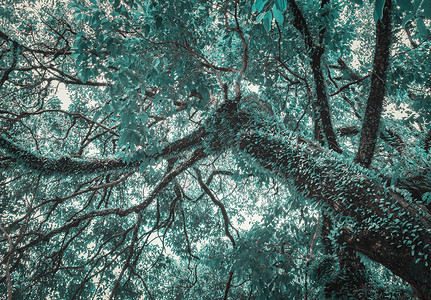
215, 149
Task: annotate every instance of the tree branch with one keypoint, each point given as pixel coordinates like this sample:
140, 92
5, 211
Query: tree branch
219, 204
12, 66
70, 165
228, 285
197, 155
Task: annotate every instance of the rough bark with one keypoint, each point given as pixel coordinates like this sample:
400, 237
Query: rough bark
389, 136
371, 124
381, 224
323, 129
321, 106
376, 222
70, 165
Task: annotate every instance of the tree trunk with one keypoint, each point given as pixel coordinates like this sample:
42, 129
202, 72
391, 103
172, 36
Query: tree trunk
373, 112
377, 222
323, 129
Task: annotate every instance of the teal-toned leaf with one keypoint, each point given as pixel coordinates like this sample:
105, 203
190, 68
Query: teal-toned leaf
359, 2
426, 197
405, 5
258, 5
96, 115
204, 92
278, 15
116, 3
259, 18
423, 31
281, 5
267, 18
378, 9
417, 3
406, 19
143, 166
427, 8
85, 75
143, 117
134, 139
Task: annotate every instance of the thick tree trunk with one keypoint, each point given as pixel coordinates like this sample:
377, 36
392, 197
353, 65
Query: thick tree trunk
373, 112
324, 131
378, 223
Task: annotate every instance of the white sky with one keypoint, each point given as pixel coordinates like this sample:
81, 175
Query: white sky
62, 94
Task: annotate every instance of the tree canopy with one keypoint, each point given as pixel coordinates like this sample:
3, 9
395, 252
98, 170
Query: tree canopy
209, 149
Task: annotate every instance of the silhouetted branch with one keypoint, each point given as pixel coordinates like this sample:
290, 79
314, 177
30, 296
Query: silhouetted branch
219, 204
228, 285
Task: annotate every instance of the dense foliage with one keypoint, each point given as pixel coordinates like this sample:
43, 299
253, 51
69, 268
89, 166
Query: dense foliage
209, 149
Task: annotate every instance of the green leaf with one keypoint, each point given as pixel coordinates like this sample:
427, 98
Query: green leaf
258, 5
406, 19
378, 9
278, 15
423, 31
85, 75
281, 5
267, 18
405, 5
426, 197
427, 8
96, 115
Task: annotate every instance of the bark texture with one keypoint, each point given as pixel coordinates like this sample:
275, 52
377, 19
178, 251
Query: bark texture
323, 129
371, 124
380, 224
